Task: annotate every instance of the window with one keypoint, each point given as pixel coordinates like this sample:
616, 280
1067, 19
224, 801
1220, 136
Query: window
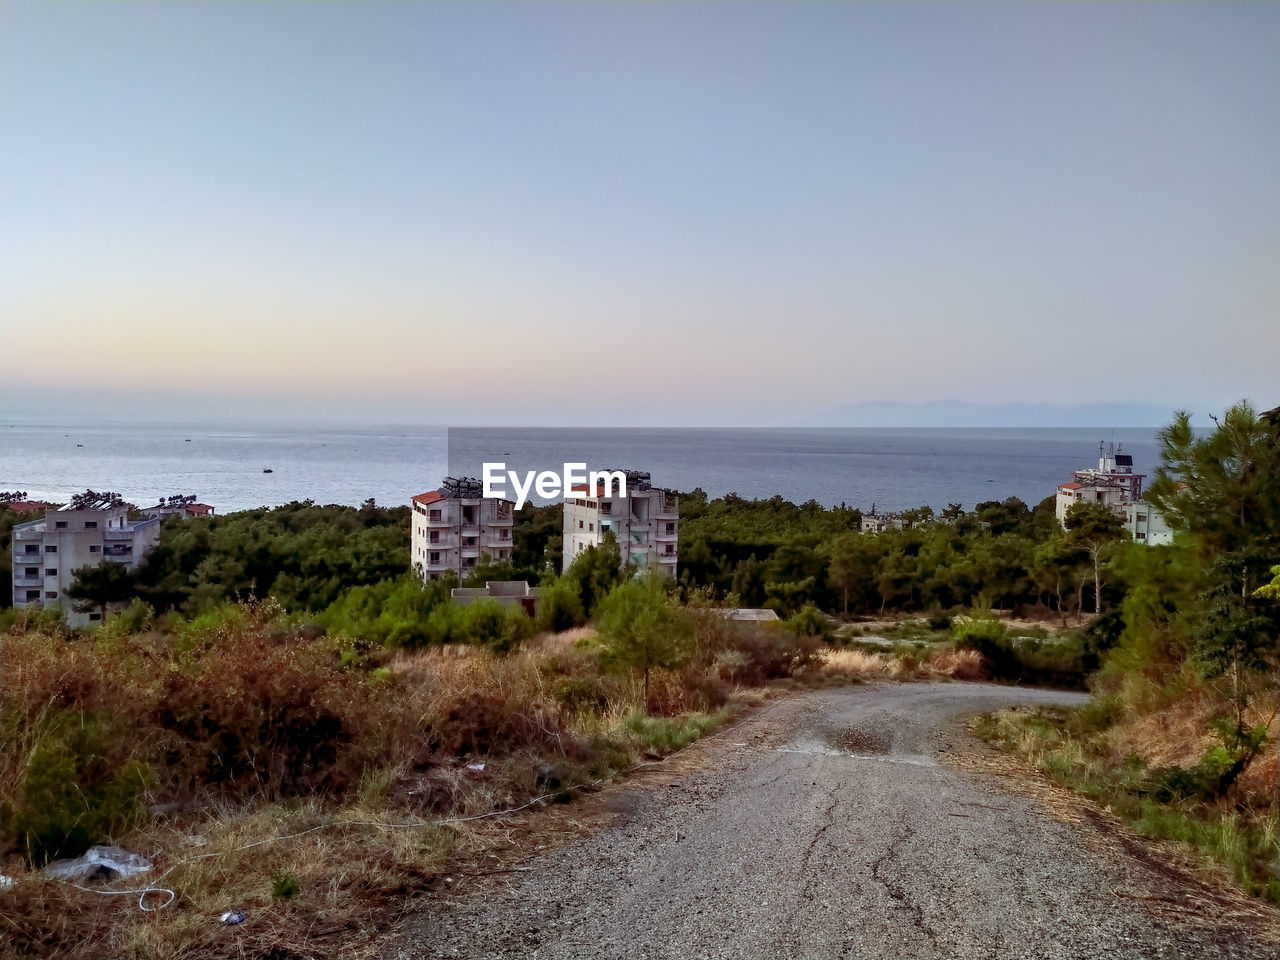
579, 524
435, 558
50, 549
32, 572
50, 571
31, 548
433, 515
1141, 536
435, 537
591, 526
60, 524
95, 548
33, 594
95, 616
51, 594
1142, 518
606, 508
91, 524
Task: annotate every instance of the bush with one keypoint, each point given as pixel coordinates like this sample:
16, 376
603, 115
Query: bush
772, 653
938, 619
560, 607
488, 623
73, 795
810, 622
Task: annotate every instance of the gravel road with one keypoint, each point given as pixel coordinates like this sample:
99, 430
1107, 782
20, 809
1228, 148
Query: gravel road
836, 823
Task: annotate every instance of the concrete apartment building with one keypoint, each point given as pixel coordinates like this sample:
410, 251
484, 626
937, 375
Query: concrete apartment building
455, 525
645, 523
47, 552
1114, 484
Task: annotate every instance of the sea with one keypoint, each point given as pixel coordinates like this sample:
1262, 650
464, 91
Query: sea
241, 466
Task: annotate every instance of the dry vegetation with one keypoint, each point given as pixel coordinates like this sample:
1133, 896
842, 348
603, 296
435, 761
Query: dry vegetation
315, 784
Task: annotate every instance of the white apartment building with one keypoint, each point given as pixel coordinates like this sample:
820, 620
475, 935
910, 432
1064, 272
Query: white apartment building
1146, 524
645, 523
46, 553
456, 525
1114, 484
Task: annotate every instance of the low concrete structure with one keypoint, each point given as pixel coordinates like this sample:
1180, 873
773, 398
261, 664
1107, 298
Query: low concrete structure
509, 593
749, 615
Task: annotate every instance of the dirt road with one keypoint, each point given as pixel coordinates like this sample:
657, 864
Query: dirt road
837, 824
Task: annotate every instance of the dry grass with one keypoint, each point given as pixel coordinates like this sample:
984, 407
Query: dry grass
1176, 733
857, 665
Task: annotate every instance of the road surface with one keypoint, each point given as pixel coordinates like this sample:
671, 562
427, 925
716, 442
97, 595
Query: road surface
842, 823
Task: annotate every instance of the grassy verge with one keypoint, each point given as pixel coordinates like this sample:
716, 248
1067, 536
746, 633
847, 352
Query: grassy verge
1072, 747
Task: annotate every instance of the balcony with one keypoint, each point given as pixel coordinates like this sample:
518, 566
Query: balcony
471, 551
440, 522
666, 506
447, 541
470, 530
22, 580
498, 518
665, 537
496, 543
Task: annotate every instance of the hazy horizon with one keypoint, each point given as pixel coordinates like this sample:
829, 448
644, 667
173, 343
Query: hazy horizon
643, 214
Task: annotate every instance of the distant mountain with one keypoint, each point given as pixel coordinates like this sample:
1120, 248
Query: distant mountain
944, 413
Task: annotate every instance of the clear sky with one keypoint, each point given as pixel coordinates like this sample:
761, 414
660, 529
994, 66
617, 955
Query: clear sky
716, 213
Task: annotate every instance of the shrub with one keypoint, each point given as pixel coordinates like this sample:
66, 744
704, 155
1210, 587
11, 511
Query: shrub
938, 619
285, 886
73, 796
810, 622
560, 607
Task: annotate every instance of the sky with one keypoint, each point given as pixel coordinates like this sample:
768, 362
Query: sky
657, 213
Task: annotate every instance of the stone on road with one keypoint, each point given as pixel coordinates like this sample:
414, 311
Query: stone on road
833, 825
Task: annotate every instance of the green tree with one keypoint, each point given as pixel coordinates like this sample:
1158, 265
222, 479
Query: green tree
1095, 529
640, 627
852, 566
97, 587
596, 571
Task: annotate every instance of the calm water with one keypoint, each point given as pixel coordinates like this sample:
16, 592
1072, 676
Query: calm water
223, 465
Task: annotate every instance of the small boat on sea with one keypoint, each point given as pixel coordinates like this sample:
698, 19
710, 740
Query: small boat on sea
267, 470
